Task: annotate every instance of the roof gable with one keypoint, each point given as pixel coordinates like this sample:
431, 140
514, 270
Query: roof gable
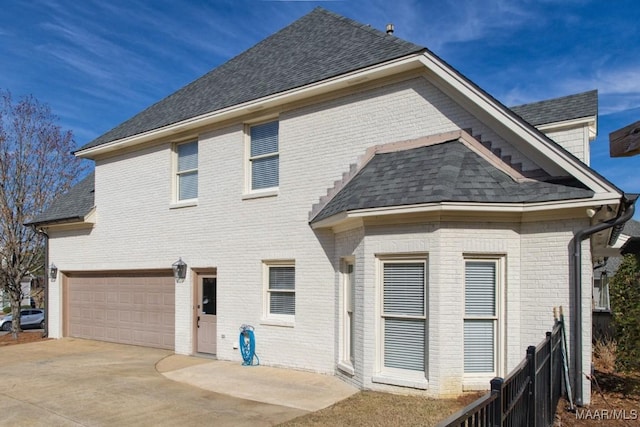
316, 47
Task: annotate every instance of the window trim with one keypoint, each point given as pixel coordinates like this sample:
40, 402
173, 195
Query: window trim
276, 319
176, 201
249, 191
347, 312
498, 318
399, 376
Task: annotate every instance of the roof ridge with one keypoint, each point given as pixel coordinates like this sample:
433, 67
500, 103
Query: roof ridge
366, 27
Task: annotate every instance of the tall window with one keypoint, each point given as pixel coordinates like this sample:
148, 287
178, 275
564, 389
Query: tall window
348, 313
281, 289
481, 309
187, 171
404, 314
263, 156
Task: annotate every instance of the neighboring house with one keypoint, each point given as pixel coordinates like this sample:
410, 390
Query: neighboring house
31, 289
606, 266
369, 210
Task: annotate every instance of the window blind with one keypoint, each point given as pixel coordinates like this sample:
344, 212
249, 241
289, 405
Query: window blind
265, 163
480, 317
282, 290
404, 295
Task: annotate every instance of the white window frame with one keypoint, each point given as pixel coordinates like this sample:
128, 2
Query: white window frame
393, 375
177, 202
498, 317
347, 333
601, 288
276, 319
249, 191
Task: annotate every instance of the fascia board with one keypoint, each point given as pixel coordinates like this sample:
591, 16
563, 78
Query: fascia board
590, 122
375, 72
501, 208
515, 125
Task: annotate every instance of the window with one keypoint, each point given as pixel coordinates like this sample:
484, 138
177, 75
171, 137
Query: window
187, 171
404, 314
281, 289
601, 292
348, 309
481, 309
263, 156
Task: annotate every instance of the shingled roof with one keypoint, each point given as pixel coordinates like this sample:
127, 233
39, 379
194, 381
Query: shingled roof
561, 109
316, 47
74, 205
447, 172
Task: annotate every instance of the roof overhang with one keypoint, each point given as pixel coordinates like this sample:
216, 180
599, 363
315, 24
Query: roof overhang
387, 69
86, 221
499, 211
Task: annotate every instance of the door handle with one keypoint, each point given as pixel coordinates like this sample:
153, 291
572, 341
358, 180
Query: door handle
198, 321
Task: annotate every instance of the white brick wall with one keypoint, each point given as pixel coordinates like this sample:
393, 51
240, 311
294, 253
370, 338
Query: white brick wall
137, 229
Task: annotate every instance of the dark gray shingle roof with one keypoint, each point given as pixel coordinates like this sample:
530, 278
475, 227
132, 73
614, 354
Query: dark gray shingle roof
559, 109
318, 46
73, 205
448, 172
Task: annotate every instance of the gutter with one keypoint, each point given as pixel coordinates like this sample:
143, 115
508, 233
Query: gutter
581, 235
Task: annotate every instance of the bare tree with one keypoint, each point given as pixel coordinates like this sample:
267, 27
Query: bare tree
36, 164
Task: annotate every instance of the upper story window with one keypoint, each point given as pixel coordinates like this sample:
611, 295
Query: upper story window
187, 171
264, 156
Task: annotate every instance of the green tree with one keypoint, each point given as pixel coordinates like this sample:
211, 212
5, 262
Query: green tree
36, 165
625, 304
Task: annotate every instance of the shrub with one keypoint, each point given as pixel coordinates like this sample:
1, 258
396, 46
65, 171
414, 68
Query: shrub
625, 305
604, 355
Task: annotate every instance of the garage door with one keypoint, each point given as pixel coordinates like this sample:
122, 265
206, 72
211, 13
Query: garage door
124, 308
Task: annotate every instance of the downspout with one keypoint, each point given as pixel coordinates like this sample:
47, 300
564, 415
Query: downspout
577, 274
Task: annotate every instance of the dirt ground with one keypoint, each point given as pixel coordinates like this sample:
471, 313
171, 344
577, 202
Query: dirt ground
615, 401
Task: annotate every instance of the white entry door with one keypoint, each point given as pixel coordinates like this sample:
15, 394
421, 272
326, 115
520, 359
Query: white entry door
207, 300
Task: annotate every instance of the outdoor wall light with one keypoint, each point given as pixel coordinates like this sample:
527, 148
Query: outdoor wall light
179, 270
53, 272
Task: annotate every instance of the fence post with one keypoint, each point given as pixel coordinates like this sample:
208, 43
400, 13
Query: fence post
531, 367
550, 408
496, 387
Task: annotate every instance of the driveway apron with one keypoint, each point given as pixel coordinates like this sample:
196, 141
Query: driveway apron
72, 382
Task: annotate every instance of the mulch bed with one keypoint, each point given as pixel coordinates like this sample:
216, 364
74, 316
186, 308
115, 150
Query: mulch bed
24, 337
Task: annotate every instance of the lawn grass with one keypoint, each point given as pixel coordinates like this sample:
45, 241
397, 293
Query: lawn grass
369, 408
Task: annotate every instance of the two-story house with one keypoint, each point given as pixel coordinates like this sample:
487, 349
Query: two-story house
371, 212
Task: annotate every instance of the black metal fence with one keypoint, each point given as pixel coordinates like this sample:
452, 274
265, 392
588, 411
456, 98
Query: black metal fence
528, 396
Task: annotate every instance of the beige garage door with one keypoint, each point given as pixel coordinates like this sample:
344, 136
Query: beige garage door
126, 308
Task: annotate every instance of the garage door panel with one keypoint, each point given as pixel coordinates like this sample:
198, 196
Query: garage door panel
129, 309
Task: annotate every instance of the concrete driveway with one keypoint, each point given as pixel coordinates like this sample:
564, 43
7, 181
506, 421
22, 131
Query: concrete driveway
73, 382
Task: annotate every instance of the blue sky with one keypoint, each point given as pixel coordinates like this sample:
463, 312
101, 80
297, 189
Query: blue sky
97, 63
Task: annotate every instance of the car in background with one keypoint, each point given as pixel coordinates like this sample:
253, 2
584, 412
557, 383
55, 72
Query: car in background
32, 318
